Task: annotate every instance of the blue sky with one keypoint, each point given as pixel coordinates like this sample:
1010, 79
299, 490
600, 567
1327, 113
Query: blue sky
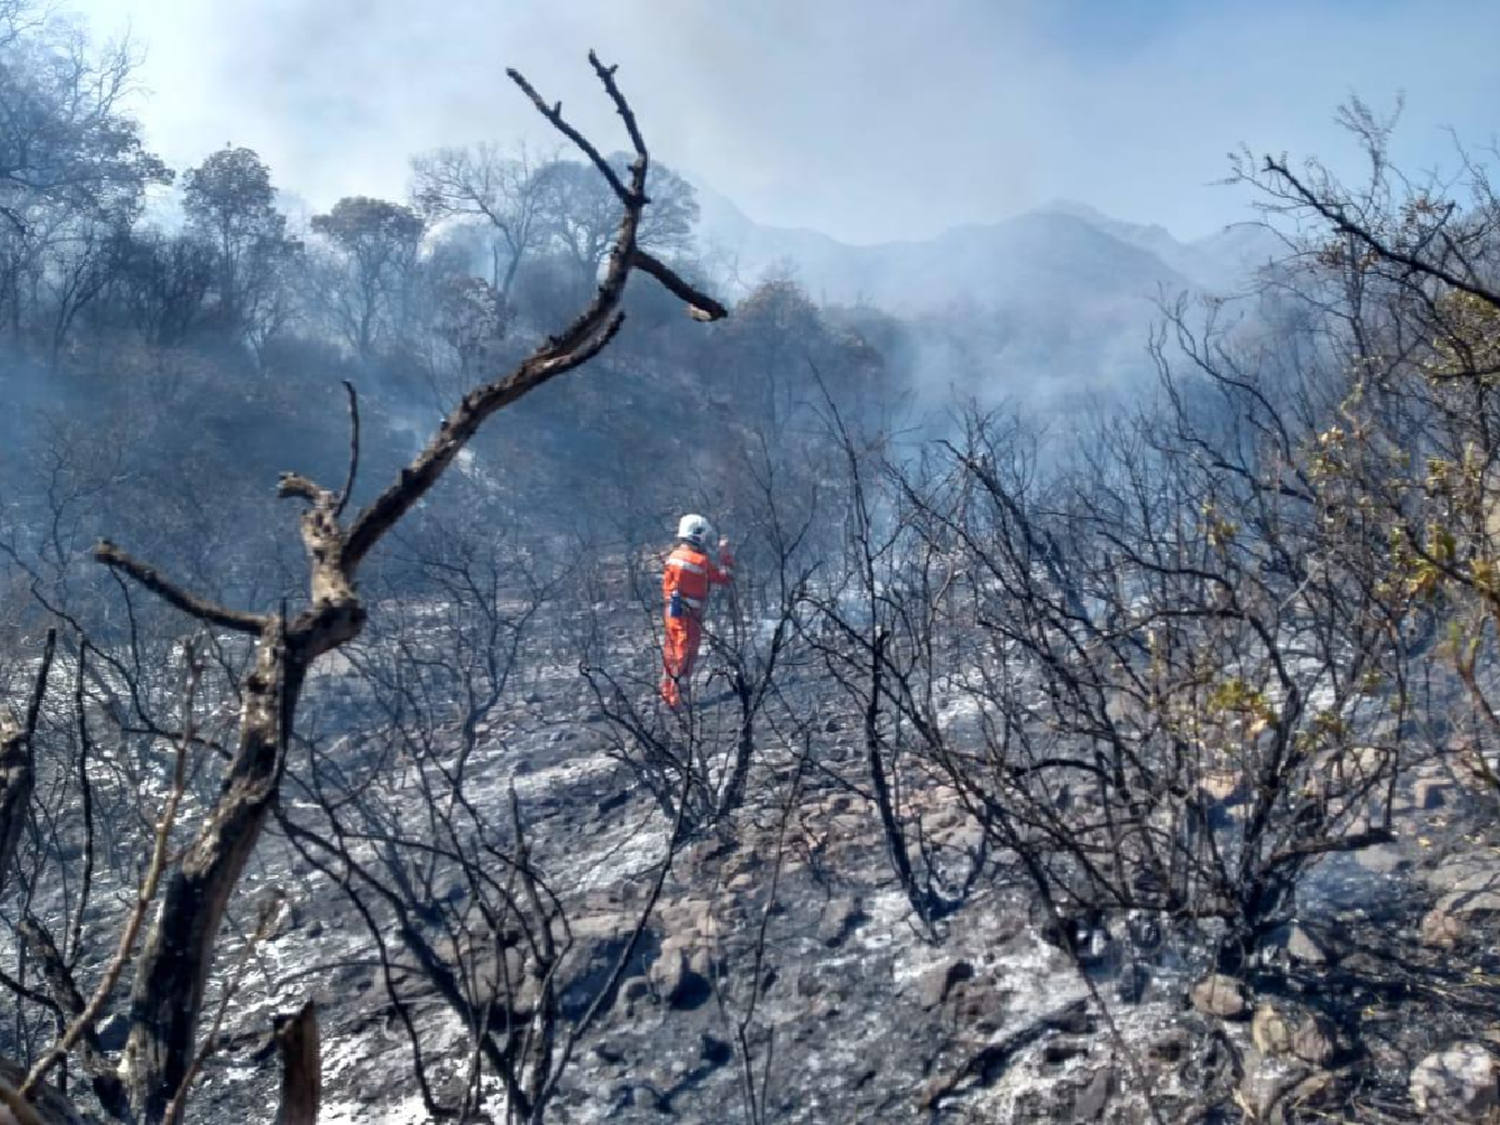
866, 119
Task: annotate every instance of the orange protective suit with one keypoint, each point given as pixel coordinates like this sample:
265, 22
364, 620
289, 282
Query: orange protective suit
684, 585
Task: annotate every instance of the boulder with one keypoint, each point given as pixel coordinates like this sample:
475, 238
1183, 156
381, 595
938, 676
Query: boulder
669, 971
1459, 1084
1220, 995
702, 962
1381, 859
1442, 930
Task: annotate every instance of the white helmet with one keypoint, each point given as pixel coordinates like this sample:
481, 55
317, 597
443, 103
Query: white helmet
695, 529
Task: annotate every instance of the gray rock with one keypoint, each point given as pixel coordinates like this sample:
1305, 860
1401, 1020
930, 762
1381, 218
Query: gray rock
1270, 1031
702, 963
1382, 859
935, 985
1091, 1101
839, 920
1220, 995
1302, 946
669, 971
1432, 793
1442, 930
1267, 1083
1314, 1041
1450, 921
1459, 1084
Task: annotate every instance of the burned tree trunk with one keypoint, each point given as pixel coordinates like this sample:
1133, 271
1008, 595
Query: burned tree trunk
175, 963
17, 768
301, 1068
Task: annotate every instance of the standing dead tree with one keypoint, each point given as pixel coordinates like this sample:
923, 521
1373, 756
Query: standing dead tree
172, 977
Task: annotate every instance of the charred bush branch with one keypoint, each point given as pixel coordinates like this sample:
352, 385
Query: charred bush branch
70, 1004
83, 1023
1338, 217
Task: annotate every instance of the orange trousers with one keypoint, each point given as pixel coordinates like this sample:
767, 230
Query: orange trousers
679, 651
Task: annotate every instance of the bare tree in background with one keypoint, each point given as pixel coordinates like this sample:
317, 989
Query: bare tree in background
379, 243
483, 183
578, 213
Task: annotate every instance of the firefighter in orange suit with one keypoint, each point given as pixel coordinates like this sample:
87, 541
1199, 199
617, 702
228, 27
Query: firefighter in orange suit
684, 586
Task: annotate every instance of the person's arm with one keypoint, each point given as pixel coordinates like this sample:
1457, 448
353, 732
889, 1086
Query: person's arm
722, 572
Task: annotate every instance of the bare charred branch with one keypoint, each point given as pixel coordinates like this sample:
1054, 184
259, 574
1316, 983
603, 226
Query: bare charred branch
1341, 221
17, 1109
576, 345
194, 606
700, 306
269, 916
348, 489
293, 486
170, 985
631, 197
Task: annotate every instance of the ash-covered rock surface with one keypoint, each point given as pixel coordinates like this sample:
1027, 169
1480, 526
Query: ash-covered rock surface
769, 965
783, 974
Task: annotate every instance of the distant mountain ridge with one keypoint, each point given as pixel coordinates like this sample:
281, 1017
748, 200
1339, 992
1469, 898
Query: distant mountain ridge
1065, 249
1053, 306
